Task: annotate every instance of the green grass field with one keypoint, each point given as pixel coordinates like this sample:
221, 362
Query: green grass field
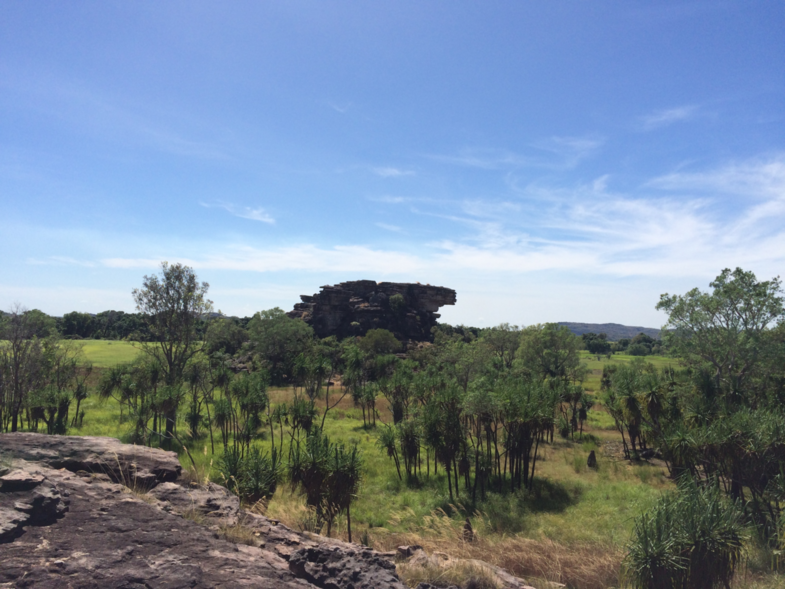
108, 353
592, 382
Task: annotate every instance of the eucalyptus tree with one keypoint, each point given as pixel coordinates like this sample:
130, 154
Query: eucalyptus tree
725, 330
548, 351
397, 388
173, 303
64, 381
278, 340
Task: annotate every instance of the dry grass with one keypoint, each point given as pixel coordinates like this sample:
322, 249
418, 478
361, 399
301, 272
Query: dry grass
587, 566
463, 574
239, 534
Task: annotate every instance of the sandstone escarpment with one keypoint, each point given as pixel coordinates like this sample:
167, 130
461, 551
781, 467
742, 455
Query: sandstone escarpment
353, 308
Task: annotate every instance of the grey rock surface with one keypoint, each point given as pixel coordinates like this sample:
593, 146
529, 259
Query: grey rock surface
65, 522
332, 567
130, 465
112, 538
28, 499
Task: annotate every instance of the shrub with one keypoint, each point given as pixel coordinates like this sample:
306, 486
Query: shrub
252, 477
692, 539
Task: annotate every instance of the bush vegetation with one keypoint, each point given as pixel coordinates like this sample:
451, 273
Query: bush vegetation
493, 424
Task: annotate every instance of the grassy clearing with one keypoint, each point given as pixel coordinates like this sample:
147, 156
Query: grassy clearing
108, 353
592, 382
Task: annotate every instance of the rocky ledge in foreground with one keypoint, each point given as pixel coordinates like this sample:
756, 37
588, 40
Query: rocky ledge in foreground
71, 515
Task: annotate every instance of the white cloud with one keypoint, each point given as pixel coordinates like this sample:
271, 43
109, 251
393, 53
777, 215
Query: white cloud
390, 172
394, 228
663, 118
756, 178
60, 261
390, 200
340, 258
257, 214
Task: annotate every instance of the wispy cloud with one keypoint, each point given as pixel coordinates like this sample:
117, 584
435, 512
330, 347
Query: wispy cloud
60, 261
760, 177
390, 200
388, 227
340, 258
391, 172
557, 152
665, 117
340, 108
257, 214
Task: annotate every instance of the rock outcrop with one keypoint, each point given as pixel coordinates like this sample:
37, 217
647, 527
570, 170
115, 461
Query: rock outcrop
76, 519
353, 308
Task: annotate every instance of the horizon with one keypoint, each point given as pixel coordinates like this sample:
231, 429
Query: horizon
546, 160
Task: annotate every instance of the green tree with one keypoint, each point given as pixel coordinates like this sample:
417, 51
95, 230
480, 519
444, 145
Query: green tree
278, 340
549, 351
503, 341
723, 330
224, 335
596, 343
173, 303
76, 325
378, 342
22, 364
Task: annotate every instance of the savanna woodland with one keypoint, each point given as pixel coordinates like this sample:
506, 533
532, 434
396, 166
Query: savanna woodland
641, 463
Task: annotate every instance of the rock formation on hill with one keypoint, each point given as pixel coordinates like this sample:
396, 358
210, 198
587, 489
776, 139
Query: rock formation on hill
95, 513
352, 308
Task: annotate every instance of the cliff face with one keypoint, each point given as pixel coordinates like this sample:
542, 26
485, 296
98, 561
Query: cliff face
352, 308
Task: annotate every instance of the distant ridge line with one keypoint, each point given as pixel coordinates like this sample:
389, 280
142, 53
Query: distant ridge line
614, 331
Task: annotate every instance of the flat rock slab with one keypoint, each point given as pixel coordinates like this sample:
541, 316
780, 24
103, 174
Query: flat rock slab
214, 502
70, 516
19, 480
133, 466
111, 538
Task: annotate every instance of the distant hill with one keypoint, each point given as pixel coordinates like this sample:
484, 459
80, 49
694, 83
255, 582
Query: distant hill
614, 331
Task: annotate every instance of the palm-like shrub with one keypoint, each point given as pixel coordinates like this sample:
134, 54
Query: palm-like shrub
253, 476
692, 539
328, 473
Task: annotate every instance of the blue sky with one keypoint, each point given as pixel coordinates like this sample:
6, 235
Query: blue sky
551, 161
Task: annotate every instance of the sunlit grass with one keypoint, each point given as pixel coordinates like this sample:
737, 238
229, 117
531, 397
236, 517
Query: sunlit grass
108, 353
